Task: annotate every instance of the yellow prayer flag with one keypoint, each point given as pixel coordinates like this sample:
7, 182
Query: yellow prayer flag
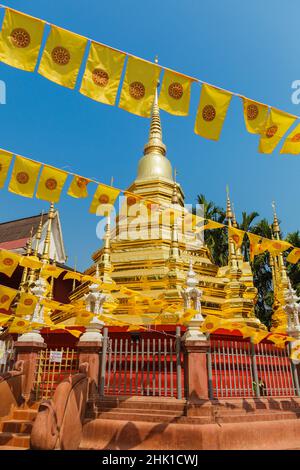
292, 142
73, 332
24, 177
7, 295
210, 324
294, 256
255, 115
19, 325
209, 225
73, 275
51, 270
20, 40
78, 187
62, 56
102, 74
139, 87
104, 196
4, 319
8, 262
26, 304
211, 112
5, 161
237, 236
276, 126
175, 93
275, 247
51, 184
255, 245
83, 318
30, 262
258, 336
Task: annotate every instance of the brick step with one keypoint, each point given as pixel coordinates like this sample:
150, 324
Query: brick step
12, 448
15, 439
24, 414
136, 403
136, 416
257, 417
246, 411
137, 411
16, 425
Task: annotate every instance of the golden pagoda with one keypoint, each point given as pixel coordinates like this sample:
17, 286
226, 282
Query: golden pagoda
157, 266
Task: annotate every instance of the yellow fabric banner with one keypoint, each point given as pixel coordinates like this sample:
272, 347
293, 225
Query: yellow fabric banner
211, 112
292, 142
102, 74
255, 115
20, 40
258, 336
7, 295
78, 187
237, 236
175, 93
104, 196
62, 57
211, 324
276, 126
51, 184
73, 275
19, 325
294, 256
8, 262
255, 245
26, 304
5, 161
275, 247
30, 262
139, 87
51, 270
24, 177
4, 319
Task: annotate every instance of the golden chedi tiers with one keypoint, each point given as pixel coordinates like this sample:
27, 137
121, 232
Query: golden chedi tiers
156, 266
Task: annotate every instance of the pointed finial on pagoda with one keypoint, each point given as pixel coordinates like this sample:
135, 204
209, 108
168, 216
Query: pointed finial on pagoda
38, 235
175, 194
229, 215
155, 142
276, 228
234, 222
51, 292
25, 270
46, 250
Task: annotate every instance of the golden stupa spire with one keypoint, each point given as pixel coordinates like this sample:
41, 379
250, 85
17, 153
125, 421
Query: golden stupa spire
38, 236
106, 261
232, 258
51, 291
46, 250
155, 143
276, 228
28, 253
282, 268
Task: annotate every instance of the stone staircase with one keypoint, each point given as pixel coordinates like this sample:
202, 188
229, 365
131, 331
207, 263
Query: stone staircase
15, 430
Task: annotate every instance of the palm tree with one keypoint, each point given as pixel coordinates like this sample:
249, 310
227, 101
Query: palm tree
245, 225
215, 240
294, 269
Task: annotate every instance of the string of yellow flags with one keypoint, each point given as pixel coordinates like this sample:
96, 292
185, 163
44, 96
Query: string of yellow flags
63, 55
28, 175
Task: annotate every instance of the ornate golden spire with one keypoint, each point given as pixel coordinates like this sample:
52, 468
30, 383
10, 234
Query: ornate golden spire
25, 270
51, 291
46, 251
155, 143
229, 215
276, 228
38, 235
234, 222
106, 261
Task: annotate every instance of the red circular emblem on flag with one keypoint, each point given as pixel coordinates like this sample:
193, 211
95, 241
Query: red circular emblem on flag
8, 261
20, 37
252, 112
271, 131
103, 199
209, 326
296, 138
81, 182
208, 113
100, 77
51, 184
22, 177
277, 245
175, 90
60, 55
85, 314
4, 299
137, 90
20, 323
235, 238
28, 302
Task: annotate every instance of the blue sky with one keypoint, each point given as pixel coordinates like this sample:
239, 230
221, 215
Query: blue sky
246, 47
